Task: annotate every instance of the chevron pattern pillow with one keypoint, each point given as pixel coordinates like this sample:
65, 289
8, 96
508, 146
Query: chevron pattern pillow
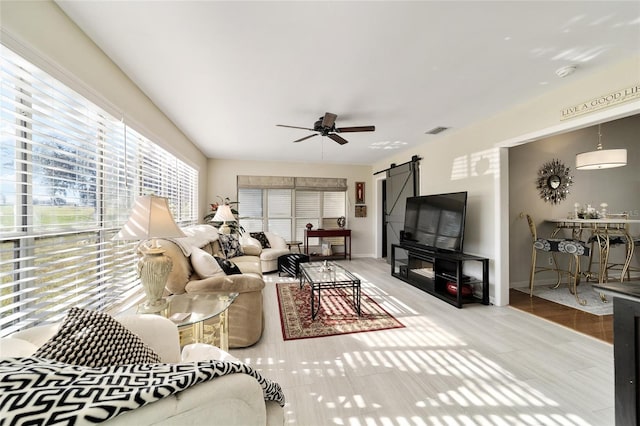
95, 339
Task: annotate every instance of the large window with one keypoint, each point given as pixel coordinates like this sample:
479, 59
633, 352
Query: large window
286, 211
69, 174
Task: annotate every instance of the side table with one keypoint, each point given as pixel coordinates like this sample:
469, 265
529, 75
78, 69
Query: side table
192, 310
296, 244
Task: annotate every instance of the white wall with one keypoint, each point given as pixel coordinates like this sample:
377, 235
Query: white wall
221, 181
42, 33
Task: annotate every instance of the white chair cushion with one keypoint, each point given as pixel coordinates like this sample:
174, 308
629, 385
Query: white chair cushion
276, 241
11, 347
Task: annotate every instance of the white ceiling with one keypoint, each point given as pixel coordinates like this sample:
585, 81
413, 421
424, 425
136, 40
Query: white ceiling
227, 72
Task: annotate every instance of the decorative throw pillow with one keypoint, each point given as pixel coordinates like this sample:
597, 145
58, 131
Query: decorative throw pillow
230, 244
204, 264
95, 339
260, 236
228, 266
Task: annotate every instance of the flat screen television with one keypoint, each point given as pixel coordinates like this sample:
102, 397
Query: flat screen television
435, 222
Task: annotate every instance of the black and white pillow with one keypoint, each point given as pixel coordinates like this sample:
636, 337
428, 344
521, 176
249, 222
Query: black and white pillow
228, 266
260, 236
230, 244
95, 339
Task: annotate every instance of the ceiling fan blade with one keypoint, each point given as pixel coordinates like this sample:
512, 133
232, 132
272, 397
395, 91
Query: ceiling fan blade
356, 129
305, 138
329, 120
338, 138
294, 127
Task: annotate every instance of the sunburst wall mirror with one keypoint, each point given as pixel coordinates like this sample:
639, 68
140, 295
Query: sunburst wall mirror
554, 180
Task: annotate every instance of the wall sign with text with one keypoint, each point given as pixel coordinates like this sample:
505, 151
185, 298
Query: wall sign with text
615, 98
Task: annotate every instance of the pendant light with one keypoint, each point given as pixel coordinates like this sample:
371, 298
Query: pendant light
601, 158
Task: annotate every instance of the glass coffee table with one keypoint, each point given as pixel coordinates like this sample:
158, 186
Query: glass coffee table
328, 275
190, 311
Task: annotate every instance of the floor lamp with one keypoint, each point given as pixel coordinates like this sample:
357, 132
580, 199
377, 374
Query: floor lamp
151, 219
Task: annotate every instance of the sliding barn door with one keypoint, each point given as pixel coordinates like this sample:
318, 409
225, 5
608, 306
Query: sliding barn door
402, 182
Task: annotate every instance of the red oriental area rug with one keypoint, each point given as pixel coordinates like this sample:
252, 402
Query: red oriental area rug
336, 316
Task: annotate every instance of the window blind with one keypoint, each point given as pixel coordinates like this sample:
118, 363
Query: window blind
321, 209
279, 202
250, 209
69, 174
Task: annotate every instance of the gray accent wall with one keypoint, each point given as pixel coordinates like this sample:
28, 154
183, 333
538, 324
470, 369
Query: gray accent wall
618, 187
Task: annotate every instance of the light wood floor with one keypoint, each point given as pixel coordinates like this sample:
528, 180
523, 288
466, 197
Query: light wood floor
483, 365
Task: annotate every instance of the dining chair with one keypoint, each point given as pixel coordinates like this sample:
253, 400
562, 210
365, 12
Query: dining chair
573, 247
617, 235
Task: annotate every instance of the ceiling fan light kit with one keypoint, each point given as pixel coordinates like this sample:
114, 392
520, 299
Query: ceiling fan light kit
326, 126
601, 158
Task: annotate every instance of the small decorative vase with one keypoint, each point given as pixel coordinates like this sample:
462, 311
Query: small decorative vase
342, 221
603, 209
309, 226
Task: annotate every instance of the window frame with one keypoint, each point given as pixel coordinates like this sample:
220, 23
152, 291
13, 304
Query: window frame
48, 267
298, 222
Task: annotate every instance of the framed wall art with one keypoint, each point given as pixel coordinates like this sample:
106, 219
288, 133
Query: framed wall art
359, 192
361, 211
554, 180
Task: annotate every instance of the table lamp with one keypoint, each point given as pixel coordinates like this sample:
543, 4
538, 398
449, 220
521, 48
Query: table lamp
151, 219
224, 215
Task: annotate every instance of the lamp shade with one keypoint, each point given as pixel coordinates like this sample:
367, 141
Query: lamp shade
224, 214
150, 218
601, 159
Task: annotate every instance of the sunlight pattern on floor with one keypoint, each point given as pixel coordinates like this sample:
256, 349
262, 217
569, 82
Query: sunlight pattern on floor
448, 366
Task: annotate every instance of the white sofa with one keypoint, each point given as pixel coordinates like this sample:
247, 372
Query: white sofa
235, 399
268, 256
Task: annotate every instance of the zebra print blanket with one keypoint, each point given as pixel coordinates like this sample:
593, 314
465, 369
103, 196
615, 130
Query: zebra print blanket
36, 391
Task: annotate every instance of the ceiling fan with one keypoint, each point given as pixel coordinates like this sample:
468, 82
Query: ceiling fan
326, 126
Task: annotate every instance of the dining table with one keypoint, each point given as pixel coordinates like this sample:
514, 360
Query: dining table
602, 231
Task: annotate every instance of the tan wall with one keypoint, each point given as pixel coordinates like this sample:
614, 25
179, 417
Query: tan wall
221, 181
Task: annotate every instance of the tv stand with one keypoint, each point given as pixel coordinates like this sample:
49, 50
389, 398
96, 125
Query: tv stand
434, 271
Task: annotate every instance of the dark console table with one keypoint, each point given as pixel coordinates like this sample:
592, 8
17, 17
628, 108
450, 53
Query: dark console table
440, 274
345, 233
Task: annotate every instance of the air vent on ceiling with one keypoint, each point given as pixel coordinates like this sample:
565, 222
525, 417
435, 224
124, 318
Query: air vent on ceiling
436, 130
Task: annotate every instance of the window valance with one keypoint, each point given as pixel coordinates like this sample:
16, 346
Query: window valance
261, 182
299, 183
